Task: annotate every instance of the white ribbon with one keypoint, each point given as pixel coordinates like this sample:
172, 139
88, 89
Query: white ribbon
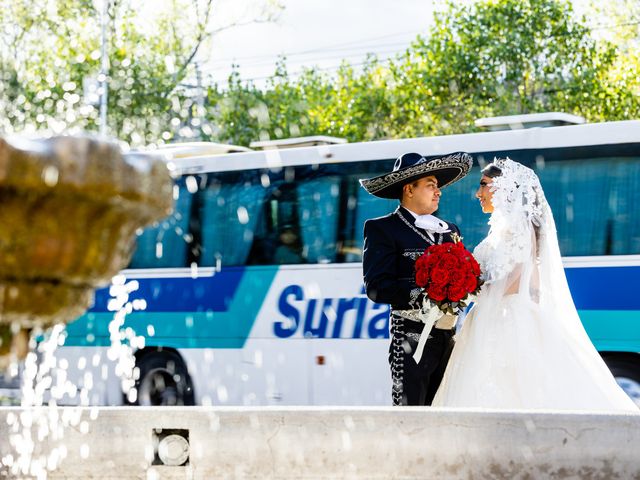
429, 315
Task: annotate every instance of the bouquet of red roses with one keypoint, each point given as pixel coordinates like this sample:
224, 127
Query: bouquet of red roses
449, 275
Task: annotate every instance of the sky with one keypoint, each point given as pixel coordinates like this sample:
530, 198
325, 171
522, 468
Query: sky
313, 32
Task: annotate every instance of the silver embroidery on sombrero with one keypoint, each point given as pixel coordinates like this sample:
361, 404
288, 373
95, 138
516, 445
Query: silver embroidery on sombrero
460, 160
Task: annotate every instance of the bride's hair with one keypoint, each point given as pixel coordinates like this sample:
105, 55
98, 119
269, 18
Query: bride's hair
492, 170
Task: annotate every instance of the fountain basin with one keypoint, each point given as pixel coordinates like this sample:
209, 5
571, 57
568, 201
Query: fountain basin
70, 209
340, 442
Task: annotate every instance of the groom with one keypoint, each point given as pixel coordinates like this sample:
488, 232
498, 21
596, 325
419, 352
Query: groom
391, 246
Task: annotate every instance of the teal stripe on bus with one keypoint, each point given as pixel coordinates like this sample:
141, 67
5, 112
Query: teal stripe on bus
613, 330
229, 329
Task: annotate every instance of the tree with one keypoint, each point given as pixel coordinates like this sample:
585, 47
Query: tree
619, 96
492, 57
498, 58
243, 113
358, 105
49, 49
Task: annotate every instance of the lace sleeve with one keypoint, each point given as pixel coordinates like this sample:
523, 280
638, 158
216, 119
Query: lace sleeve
501, 254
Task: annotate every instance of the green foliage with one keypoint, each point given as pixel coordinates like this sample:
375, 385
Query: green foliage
504, 57
491, 57
49, 50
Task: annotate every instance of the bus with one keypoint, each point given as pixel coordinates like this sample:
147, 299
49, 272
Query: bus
253, 286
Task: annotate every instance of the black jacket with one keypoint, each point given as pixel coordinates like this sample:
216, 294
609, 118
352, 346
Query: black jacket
391, 248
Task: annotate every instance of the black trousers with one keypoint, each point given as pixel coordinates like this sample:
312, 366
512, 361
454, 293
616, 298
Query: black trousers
417, 383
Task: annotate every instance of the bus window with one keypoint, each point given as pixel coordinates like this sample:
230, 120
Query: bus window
167, 244
299, 221
318, 211
277, 233
288, 249
229, 213
577, 191
624, 200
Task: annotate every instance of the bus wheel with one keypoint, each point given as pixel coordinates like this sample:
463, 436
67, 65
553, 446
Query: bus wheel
164, 380
627, 374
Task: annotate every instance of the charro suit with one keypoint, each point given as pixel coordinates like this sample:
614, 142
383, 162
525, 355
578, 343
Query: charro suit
391, 246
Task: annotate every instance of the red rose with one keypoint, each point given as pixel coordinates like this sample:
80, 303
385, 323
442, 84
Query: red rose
459, 270
422, 262
456, 293
449, 261
437, 292
475, 267
458, 249
470, 283
439, 275
432, 260
422, 277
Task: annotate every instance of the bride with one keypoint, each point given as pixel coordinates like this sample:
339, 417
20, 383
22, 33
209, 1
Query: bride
522, 345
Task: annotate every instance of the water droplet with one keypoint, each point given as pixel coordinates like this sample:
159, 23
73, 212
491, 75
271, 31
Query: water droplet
159, 250
84, 450
192, 184
264, 180
194, 270
50, 176
243, 215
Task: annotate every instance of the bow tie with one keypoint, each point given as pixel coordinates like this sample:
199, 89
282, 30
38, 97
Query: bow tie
431, 224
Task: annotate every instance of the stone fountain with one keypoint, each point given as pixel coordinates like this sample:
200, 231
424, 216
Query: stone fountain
69, 209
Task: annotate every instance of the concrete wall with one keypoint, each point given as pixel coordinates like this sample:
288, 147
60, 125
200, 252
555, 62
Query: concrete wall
317, 442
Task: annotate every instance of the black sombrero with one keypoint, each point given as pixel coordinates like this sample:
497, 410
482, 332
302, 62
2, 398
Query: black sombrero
412, 166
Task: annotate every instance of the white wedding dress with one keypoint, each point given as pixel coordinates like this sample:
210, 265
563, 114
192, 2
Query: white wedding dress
522, 345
